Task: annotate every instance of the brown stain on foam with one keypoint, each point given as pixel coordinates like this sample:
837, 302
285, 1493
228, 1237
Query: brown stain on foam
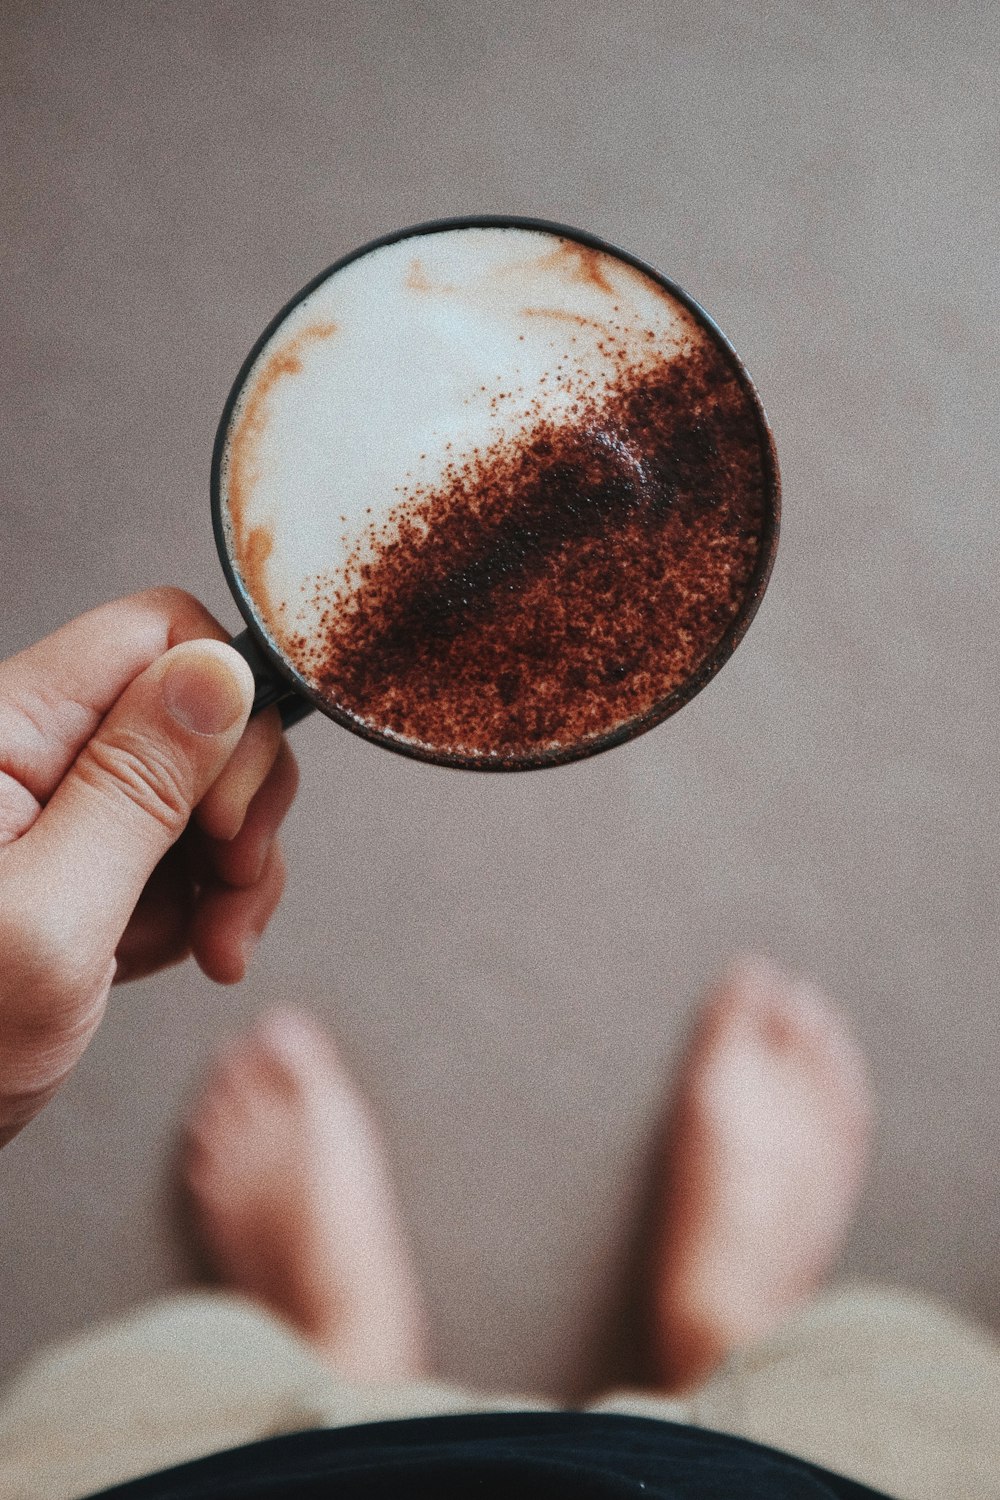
417, 279
563, 315
590, 267
253, 545
582, 264
259, 546
570, 260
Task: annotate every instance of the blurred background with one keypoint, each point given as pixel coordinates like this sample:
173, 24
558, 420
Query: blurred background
510, 963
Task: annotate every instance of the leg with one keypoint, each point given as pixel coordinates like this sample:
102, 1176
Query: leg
186, 1376
292, 1198
767, 1140
320, 1323
768, 1136
881, 1385
292, 1201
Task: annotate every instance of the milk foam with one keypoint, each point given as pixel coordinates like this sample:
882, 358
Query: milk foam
395, 367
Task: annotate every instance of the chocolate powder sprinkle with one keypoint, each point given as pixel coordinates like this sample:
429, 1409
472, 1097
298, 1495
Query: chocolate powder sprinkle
563, 582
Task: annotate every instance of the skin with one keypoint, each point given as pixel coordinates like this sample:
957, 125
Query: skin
291, 1196
139, 812
767, 1140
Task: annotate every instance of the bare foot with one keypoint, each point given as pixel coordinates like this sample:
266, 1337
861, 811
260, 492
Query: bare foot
766, 1148
293, 1204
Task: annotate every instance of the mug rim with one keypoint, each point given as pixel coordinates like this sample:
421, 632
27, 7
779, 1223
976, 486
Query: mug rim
620, 734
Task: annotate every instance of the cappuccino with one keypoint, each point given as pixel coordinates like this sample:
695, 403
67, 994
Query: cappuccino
497, 495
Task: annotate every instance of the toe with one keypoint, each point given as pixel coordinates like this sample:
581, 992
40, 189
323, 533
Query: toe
237, 1095
301, 1052
232, 1077
828, 1044
794, 1018
723, 1010
788, 1013
294, 1036
253, 1082
753, 1000
753, 981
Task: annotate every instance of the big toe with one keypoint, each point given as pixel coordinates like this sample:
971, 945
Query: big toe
297, 1050
785, 1011
240, 1123
767, 1042
809, 1034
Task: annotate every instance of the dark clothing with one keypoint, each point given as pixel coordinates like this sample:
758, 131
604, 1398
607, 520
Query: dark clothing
518, 1456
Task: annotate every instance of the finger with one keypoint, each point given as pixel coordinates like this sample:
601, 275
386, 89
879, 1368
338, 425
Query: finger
228, 922
158, 932
224, 806
240, 861
18, 808
54, 694
131, 790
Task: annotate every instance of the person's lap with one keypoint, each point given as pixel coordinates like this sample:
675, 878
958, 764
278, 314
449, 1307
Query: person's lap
884, 1387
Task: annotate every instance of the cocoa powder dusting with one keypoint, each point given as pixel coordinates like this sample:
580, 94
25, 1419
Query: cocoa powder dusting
563, 582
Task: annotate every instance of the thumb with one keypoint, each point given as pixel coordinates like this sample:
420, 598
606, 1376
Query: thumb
130, 792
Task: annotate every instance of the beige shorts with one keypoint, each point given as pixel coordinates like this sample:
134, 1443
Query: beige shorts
882, 1386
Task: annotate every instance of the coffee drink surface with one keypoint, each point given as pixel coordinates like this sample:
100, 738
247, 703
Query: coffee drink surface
499, 497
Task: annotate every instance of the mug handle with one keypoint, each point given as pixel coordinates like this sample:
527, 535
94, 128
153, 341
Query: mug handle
269, 688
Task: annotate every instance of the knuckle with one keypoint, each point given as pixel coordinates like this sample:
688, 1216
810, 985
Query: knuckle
18, 808
170, 596
130, 768
187, 617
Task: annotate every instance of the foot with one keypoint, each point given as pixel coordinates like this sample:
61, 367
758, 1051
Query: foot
292, 1202
767, 1142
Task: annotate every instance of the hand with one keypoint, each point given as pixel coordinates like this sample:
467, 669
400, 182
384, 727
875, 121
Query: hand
113, 732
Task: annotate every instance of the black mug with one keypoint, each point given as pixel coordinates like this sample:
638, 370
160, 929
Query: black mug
279, 681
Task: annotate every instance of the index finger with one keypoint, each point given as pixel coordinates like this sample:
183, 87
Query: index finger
54, 694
